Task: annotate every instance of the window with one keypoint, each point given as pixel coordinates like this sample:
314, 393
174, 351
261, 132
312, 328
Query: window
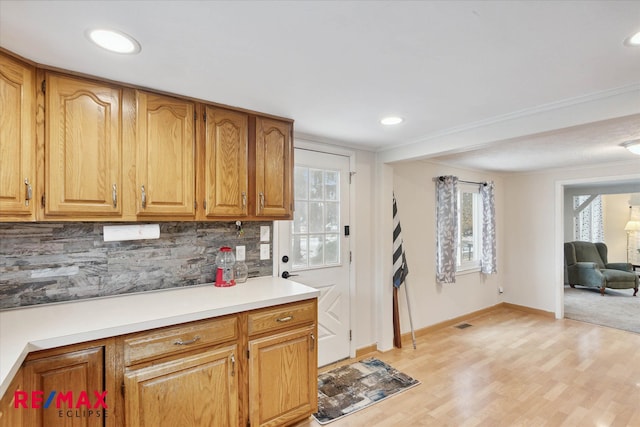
587, 218
469, 227
316, 225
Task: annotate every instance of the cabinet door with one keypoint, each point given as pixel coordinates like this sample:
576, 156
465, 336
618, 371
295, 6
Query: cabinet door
193, 391
83, 147
165, 156
283, 384
10, 416
226, 175
274, 160
17, 139
75, 373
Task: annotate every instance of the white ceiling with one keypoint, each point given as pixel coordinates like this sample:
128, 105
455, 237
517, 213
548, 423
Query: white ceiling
531, 84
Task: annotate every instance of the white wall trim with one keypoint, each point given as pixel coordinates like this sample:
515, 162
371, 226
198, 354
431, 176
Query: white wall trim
383, 221
559, 229
591, 108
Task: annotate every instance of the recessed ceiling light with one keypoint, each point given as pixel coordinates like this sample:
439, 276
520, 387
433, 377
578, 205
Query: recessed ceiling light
391, 120
633, 146
114, 41
633, 40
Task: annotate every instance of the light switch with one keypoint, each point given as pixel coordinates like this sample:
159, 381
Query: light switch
264, 233
240, 253
265, 251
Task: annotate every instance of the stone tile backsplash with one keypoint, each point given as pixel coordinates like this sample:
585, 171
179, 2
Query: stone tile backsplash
52, 262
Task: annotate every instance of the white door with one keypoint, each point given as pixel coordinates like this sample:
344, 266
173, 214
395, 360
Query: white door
313, 248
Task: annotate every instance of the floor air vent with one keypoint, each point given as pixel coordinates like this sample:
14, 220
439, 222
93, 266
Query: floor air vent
463, 326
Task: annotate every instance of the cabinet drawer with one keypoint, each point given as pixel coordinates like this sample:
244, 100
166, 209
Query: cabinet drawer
272, 319
176, 339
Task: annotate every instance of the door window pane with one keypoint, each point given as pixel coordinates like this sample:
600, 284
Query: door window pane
301, 177
316, 184
316, 250
301, 217
316, 228
316, 217
332, 249
332, 221
331, 188
299, 246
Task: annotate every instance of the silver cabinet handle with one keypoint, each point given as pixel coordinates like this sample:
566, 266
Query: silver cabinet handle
191, 341
233, 365
28, 192
284, 319
114, 195
313, 342
261, 200
144, 198
244, 199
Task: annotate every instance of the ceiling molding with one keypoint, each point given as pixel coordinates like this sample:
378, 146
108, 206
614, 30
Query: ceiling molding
619, 102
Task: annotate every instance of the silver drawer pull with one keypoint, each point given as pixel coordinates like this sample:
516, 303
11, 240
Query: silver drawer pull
191, 341
284, 319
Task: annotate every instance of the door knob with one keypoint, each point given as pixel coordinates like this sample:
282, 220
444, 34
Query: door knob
285, 259
286, 275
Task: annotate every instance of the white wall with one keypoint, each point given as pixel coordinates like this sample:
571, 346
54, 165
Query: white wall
529, 224
533, 263
431, 302
615, 212
363, 329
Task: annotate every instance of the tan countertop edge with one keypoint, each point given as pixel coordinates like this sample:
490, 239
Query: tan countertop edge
54, 325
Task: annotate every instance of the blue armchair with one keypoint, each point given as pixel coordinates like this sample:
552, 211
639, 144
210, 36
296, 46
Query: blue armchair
587, 265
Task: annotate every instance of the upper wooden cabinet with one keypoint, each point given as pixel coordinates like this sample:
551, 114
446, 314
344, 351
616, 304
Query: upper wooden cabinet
83, 147
89, 150
165, 160
273, 168
226, 163
17, 140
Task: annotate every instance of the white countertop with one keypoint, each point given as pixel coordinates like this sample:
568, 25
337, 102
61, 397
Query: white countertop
54, 325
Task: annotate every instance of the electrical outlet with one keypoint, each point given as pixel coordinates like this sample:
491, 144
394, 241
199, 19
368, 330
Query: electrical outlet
240, 253
265, 251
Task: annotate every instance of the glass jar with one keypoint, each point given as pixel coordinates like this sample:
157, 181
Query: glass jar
242, 272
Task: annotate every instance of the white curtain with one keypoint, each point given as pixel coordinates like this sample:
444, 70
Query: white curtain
446, 228
488, 262
589, 225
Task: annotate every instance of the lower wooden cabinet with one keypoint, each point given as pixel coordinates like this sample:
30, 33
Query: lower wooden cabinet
9, 415
284, 368
256, 368
192, 391
70, 380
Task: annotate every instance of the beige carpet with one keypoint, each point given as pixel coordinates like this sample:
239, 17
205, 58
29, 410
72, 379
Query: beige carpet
616, 309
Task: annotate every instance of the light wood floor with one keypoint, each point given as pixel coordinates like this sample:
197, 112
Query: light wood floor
513, 368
